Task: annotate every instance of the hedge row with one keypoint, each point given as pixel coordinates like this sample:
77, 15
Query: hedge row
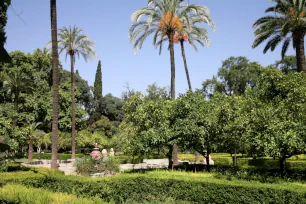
156, 186
260, 163
16, 193
59, 156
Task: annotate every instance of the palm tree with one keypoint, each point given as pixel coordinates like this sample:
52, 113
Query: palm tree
288, 23
34, 134
193, 34
162, 18
74, 44
55, 83
15, 83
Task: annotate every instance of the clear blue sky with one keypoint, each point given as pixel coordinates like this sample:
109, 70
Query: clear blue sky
107, 24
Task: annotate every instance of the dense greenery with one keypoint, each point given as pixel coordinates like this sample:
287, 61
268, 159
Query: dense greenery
160, 186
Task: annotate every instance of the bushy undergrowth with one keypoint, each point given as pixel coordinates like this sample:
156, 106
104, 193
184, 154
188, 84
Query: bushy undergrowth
16, 193
156, 186
88, 165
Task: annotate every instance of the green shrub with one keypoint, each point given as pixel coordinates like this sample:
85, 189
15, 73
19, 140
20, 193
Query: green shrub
182, 187
16, 193
88, 165
16, 167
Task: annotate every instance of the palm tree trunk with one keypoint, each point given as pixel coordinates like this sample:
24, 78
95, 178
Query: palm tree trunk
30, 150
15, 109
72, 109
300, 53
171, 44
185, 64
55, 85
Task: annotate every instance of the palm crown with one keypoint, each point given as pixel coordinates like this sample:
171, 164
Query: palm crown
288, 23
161, 17
74, 43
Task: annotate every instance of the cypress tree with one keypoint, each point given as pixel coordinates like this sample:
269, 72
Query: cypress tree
98, 83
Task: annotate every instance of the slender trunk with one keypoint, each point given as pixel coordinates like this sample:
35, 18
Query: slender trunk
30, 150
55, 83
72, 109
169, 154
185, 64
197, 156
235, 157
300, 53
207, 159
175, 154
171, 45
16, 109
283, 166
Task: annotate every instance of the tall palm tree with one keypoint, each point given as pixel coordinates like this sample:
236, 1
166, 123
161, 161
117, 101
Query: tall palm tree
288, 23
74, 44
192, 33
15, 83
55, 83
162, 18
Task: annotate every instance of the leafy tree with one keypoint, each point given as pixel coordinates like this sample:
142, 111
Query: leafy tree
112, 108
16, 83
287, 64
98, 83
233, 77
287, 24
4, 4
55, 83
74, 44
154, 92
277, 119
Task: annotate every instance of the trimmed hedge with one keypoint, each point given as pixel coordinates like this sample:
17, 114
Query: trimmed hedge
59, 156
156, 186
16, 193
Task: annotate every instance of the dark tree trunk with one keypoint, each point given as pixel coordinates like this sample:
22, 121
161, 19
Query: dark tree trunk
207, 159
185, 64
72, 109
169, 155
55, 83
300, 53
16, 109
30, 150
283, 166
235, 157
171, 45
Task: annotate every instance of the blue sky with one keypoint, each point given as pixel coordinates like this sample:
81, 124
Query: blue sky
107, 24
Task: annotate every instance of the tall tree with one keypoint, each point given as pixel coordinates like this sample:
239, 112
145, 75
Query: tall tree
55, 83
16, 83
98, 83
74, 44
162, 18
235, 75
288, 23
191, 32
4, 4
